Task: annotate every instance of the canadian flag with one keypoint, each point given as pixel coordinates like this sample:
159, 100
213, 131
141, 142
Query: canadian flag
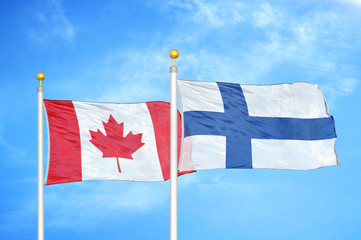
108, 141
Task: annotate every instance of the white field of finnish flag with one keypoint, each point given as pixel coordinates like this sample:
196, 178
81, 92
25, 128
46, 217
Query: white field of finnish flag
292, 102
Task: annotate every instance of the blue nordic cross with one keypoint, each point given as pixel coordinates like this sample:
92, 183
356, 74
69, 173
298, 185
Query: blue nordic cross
239, 128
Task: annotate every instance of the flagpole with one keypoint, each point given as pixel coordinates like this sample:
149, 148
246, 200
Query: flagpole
173, 148
40, 76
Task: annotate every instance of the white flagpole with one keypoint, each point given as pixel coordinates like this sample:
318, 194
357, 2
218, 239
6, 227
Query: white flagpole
173, 148
40, 76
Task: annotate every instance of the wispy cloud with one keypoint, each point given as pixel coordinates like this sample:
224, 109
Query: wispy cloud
267, 16
245, 197
122, 75
19, 219
314, 42
52, 23
83, 205
352, 2
336, 88
89, 203
133, 76
14, 151
212, 14
348, 85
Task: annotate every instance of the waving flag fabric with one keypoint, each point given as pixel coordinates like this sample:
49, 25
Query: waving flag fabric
284, 126
108, 141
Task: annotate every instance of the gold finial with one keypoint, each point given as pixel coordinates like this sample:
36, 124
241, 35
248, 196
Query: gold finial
40, 76
173, 54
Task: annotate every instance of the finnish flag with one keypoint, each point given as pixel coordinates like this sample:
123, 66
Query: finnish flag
282, 126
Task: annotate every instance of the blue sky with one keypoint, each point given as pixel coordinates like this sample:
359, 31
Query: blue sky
117, 51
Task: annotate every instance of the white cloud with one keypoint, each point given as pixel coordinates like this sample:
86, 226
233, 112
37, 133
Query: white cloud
87, 204
347, 85
305, 41
218, 15
121, 75
132, 75
268, 16
241, 196
215, 14
52, 24
19, 219
308, 42
284, 37
14, 151
338, 87
353, 2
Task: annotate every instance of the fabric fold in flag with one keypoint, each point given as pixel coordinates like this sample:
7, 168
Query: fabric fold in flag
108, 141
283, 126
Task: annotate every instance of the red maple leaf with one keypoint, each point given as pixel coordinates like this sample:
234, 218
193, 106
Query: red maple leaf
113, 144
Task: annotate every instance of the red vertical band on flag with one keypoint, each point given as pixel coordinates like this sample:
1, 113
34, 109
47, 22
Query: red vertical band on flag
65, 150
160, 114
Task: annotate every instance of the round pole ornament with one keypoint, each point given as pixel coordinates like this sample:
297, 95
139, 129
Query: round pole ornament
40, 76
173, 54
